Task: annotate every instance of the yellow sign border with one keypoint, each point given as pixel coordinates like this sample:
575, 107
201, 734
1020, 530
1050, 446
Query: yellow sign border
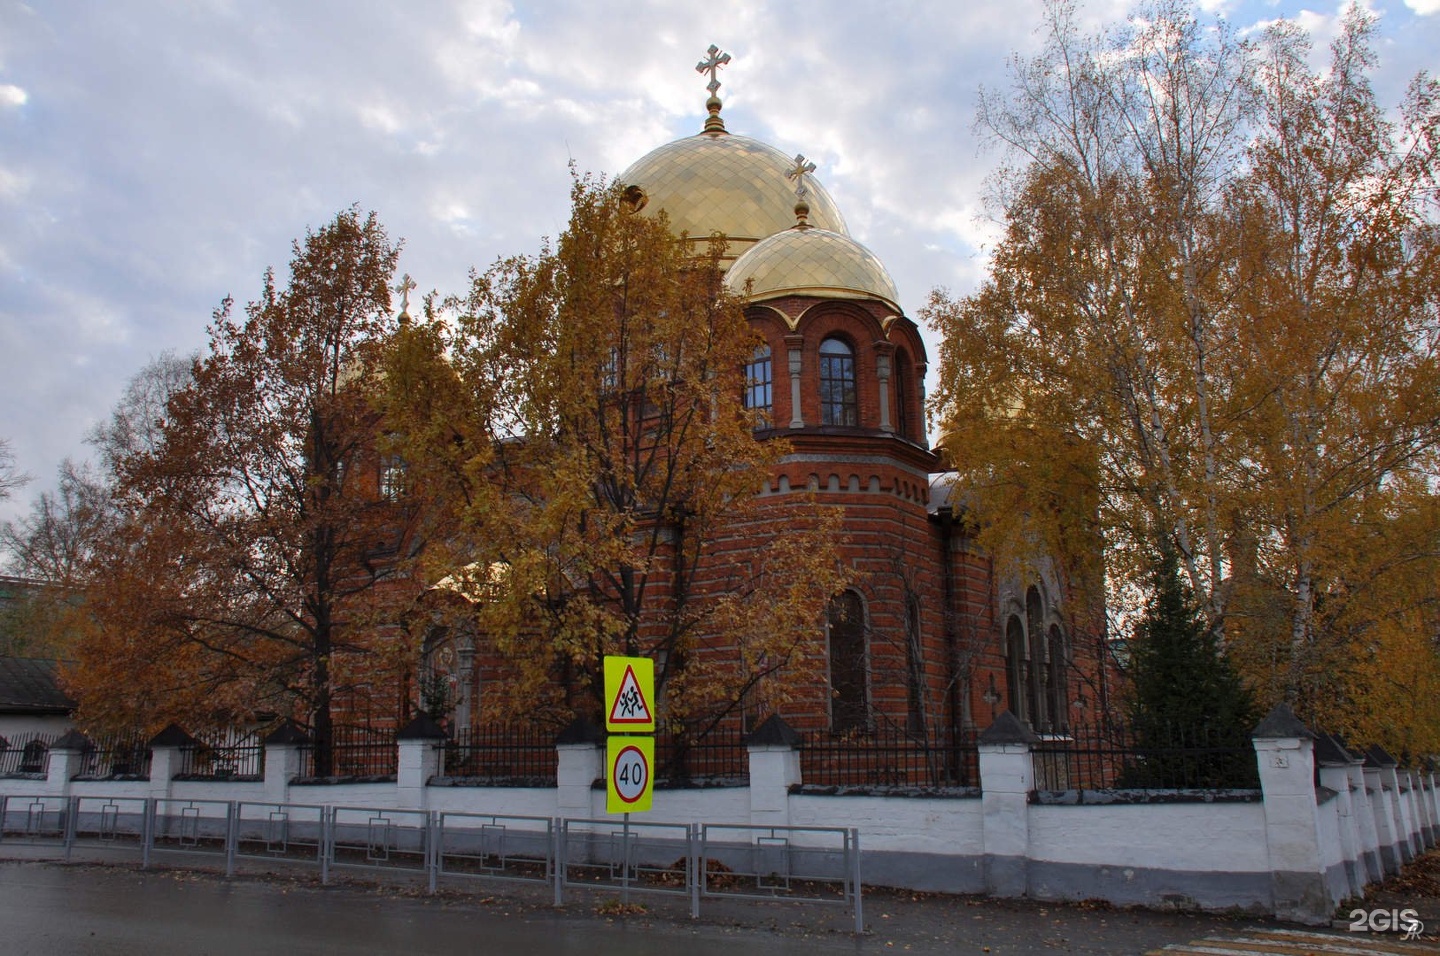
644, 669
614, 746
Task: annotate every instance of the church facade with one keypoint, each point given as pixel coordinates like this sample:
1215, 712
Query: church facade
927, 642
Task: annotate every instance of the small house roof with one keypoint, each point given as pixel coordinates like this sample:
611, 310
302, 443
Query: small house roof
31, 686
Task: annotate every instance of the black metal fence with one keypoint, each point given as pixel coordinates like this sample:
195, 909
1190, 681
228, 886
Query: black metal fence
120, 755
226, 754
25, 753
719, 757
1164, 758
891, 757
353, 752
512, 754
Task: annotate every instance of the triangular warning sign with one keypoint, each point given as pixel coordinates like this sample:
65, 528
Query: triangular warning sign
629, 706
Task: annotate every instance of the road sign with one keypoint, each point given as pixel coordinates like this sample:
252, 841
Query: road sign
629, 776
630, 695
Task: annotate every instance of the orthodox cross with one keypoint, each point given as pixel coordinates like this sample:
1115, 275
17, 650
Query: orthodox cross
714, 59
798, 172
406, 284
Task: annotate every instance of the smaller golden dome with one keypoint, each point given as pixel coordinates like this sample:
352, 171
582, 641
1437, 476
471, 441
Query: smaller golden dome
816, 262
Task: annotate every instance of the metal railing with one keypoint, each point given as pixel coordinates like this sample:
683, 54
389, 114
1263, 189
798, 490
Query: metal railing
280, 833
679, 860
353, 752
25, 753
120, 756
227, 754
1113, 758
494, 846
718, 758
507, 755
811, 864
890, 757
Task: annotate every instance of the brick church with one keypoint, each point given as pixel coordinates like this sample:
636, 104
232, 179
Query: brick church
928, 641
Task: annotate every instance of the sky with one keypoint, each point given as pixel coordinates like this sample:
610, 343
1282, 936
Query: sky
158, 155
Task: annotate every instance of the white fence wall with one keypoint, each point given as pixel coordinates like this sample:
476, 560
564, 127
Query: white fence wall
1295, 850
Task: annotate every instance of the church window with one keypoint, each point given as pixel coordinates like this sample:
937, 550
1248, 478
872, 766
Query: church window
1058, 703
838, 403
1037, 675
1015, 669
849, 693
392, 477
758, 386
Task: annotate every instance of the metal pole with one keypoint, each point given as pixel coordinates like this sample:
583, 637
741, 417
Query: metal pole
557, 852
697, 867
326, 845
72, 810
147, 830
232, 836
854, 842
625, 862
436, 831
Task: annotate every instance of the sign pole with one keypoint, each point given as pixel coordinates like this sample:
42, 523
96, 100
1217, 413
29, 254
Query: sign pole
625, 863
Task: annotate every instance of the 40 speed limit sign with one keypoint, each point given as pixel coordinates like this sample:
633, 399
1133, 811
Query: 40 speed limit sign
629, 774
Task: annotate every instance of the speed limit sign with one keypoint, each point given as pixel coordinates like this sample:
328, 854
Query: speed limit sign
629, 775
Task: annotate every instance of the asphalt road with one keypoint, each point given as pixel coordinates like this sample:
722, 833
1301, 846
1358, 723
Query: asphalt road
50, 908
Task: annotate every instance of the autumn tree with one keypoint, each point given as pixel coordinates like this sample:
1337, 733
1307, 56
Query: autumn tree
250, 565
48, 549
578, 420
1210, 327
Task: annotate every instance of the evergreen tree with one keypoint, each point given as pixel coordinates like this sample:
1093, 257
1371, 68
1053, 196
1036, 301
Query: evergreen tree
1185, 694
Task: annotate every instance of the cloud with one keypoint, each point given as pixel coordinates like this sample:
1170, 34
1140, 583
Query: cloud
170, 153
1424, 8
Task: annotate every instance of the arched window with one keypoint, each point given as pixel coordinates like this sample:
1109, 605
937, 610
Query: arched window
849, 692
838, 404
758, 381
1038, 676
1059, 706
1015, 668
392, 477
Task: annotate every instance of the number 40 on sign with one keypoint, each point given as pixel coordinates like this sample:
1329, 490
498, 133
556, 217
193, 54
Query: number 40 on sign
629, 773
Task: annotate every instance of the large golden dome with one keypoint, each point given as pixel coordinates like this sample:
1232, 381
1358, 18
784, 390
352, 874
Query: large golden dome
807, 261
717, 182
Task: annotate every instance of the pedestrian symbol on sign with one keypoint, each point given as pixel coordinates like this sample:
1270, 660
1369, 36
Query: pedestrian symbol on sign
629, 685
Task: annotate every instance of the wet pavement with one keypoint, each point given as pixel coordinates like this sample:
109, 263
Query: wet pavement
51, 908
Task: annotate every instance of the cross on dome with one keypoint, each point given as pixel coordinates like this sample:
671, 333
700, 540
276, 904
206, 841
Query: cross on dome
798, 172
406, 284
714, 59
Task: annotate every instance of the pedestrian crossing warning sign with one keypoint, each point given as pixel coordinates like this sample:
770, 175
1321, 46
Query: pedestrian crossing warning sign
630, 695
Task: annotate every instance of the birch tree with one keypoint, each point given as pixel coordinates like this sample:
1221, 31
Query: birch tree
1209, 328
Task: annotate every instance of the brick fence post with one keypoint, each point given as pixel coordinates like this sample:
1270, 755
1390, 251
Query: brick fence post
419, 743
1285, 752
774, 769
579, 762
283, 749
1007, 775
1335, 762
64, 761
167, 757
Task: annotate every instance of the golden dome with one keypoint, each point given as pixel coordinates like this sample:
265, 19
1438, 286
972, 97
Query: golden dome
807, 261
719, 182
